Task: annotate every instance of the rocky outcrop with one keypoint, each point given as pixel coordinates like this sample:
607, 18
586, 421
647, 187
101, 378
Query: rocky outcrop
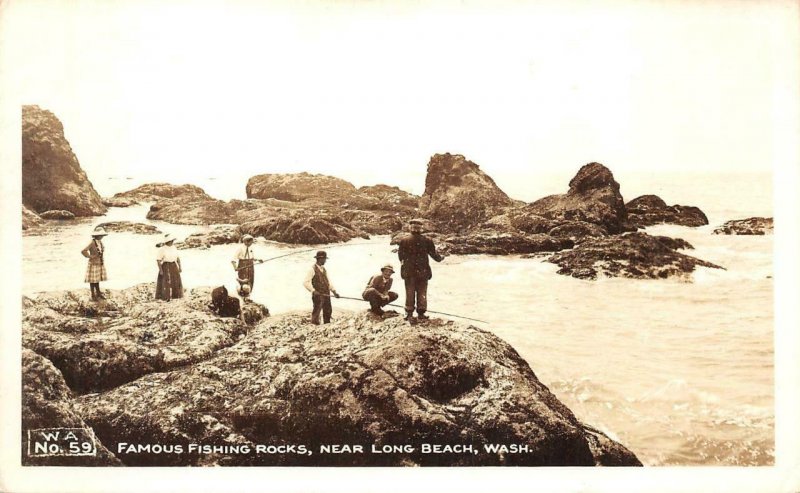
100, 345
130, 227
305, 229
119, 202
173, 374
48, 403
593, 197
30, 219
152, 192
648, 210
458, 194
487, 241
384, 197
220, 235
749, 226
57, 215
633, 255
52, 178
296, 187
193, 209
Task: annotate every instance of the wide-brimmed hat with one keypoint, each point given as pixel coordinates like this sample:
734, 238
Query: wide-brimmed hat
321, 254
388, 267
247, 237
167, 238
99, 231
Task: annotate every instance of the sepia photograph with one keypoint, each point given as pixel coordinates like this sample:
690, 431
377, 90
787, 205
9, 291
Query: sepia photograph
406, 245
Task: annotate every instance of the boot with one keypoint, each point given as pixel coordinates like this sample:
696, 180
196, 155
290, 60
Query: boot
93, 291
410, 316
376, 309
422, 316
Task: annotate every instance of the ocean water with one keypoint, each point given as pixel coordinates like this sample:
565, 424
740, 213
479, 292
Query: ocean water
680, 371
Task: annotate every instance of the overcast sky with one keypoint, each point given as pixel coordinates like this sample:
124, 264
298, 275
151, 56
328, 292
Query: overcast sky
370, 90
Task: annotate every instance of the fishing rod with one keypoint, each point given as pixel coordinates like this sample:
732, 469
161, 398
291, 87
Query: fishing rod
261, 261
400, 306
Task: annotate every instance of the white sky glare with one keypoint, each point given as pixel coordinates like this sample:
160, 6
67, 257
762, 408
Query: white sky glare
368, 91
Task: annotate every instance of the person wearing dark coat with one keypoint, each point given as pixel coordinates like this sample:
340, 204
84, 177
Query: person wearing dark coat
377, 290
415, 270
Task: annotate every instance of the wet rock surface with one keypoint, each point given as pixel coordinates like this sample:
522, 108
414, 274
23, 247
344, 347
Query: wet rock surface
52, 177
57, 215
648, 210
130, 227
119, 202
171, 373
99, 345
750, 226
632, 255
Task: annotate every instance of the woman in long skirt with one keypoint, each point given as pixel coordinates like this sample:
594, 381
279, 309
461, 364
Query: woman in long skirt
168, 284
96, 270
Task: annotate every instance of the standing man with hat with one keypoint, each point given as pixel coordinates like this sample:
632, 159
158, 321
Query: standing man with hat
96, 270
320, 286
377, 290
415, 270
243, 265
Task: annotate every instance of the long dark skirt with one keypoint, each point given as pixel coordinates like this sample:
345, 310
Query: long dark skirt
246, 271
169, 285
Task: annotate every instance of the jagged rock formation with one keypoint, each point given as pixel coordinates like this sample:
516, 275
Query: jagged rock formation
749, 226
305, 229
633, 255
593, 197
130, 227
360, 380
52, 178
48, 403
30, 219
648, 210
458, 194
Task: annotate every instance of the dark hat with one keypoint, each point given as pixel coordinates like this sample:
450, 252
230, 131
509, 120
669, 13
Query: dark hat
321, 254
416, 220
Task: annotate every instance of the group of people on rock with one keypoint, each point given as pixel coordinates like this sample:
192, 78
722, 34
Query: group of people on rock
413, 253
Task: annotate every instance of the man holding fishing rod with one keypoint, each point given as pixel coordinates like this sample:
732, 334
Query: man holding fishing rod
243, 262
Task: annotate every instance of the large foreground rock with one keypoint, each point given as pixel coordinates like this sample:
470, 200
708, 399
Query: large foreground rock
100, 345
648, 210
458, 194
633, 255
358, 381
749, 226
48, 403
593, 197
52, 177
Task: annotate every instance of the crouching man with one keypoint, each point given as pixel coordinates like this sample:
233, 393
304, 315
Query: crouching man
377, 290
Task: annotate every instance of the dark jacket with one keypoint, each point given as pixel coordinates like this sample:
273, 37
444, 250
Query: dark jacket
380, 284
413, 253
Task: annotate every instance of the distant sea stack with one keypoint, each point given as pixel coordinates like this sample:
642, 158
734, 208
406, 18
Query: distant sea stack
296, 187
52, 178
458, 194
593, 197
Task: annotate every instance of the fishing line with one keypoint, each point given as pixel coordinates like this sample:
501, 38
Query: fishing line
400, 306
261, 261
